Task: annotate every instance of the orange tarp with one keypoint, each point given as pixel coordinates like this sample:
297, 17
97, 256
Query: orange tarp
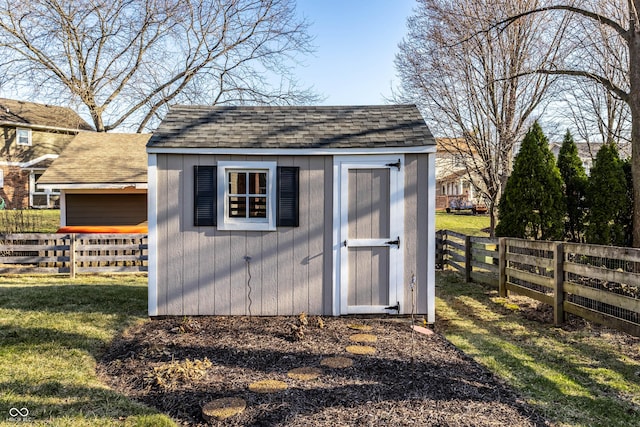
105, 229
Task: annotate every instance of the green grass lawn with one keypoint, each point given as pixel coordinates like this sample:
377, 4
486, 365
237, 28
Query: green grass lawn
468, 224
586, 377
52, 331
29, 220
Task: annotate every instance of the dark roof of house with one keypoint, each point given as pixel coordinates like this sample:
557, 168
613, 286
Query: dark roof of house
33, 114
100, 158
272, 127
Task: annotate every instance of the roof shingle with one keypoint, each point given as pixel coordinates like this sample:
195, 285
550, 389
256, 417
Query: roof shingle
100, 158
33, 114
269, 127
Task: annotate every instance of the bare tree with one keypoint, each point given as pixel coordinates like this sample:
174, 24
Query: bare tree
461, 78
125, 61
618, 24
596, 114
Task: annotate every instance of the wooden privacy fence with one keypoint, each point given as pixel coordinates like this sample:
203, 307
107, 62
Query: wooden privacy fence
597, 283
72, 253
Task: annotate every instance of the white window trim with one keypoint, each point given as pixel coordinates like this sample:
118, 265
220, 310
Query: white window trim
246, 224
29, 141
1, 178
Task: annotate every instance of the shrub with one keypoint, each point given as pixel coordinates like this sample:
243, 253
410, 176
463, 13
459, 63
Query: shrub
531, 206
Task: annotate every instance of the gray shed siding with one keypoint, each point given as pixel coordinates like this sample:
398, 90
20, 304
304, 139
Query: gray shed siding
416, 229
202, 271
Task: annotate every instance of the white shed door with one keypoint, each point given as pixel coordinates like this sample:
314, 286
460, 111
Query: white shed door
371, 219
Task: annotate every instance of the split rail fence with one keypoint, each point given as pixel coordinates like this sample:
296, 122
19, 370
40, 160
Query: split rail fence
597, 283
32, 253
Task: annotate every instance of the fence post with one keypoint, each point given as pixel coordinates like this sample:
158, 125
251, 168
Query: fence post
72, 255
558, 291
439, 250
467, 259
502, 267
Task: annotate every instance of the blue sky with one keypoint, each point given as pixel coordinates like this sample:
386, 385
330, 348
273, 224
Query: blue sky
356, 43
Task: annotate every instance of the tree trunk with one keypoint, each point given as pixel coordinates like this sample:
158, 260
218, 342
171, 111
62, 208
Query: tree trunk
634, 104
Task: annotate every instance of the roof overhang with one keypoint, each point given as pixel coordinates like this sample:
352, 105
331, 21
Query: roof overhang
41, 127
30, 162
94, 186
294, 151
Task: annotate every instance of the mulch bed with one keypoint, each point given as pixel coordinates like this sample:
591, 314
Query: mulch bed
178, 365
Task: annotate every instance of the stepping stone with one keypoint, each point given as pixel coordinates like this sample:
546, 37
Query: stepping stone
360, 327
360, 349
268, 386
221, 409
337, 362
422, 330
305, 373
363, 338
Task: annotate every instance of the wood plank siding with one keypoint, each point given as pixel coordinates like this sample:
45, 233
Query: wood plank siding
203, 271
416, 219
206, 271
106, 209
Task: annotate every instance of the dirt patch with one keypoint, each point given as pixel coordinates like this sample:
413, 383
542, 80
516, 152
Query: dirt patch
413, 379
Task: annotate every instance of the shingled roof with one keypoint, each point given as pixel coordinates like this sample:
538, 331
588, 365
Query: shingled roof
40, 115
100, 158
270, 127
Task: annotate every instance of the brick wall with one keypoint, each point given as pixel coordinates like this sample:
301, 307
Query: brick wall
15, 190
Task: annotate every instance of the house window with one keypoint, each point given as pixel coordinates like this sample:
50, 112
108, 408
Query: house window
246, 196
248, 192
23, 136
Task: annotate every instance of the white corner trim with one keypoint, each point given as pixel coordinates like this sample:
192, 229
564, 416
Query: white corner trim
63, 209
336, 237
152, 217
431, 241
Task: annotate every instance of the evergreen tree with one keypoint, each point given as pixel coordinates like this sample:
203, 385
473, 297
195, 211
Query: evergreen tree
607, 199
531, 206
575, 184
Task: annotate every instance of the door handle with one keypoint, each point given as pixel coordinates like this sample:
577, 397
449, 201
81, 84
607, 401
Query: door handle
394, 242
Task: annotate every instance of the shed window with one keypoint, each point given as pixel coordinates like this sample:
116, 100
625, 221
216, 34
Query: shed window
246, 196
23, 136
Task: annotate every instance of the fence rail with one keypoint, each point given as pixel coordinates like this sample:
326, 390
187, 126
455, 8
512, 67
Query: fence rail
73, 253
598, 283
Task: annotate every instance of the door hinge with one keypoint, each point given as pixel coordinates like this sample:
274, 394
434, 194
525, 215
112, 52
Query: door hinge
396, 307
396, 165
394, 242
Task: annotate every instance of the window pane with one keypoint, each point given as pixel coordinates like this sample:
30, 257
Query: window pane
257, 207
23, 136
257, 183
237, 207
237, 183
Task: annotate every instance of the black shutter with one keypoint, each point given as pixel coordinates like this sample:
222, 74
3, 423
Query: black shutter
205, 195
288, 183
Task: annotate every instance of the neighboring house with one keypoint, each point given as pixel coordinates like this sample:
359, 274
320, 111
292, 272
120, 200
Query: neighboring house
102, 178
587, 152
32, 136
282, 210
452, 179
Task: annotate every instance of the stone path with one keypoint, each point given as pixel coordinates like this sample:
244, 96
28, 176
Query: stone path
221, 409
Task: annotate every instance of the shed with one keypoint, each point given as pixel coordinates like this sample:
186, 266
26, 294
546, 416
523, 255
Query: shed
102, 179
278, 210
